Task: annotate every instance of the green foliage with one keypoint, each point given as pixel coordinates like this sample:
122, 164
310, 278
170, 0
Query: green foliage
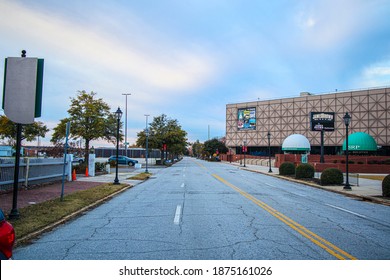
29, 131
100, 166
212, 146
90, 118
386, 186
80, 168
304, 170
287, 168
164, 130
331, 176
197, 148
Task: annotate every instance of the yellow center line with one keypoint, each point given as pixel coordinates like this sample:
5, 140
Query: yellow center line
201, 165
319, 241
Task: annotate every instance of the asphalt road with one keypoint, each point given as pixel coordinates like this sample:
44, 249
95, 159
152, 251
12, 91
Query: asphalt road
201, 210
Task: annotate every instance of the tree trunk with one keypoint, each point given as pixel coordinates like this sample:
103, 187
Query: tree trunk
86, 154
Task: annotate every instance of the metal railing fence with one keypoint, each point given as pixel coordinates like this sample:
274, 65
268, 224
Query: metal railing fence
31, 171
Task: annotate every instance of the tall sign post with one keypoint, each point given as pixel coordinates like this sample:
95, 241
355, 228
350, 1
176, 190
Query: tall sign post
322, 121
67, 132
22, 102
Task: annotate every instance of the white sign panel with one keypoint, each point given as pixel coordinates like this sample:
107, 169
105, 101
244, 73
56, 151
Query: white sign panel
20, 89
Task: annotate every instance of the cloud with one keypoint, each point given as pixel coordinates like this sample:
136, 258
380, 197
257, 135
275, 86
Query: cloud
375, 75
329, 24
160, 65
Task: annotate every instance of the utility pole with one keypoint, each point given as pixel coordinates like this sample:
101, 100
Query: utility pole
126, 144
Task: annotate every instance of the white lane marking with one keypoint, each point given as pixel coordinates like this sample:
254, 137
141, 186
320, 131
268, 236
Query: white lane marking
182, 185
345, 210
176, 221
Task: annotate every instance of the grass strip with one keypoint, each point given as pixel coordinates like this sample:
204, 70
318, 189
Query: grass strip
38, 216
141, 176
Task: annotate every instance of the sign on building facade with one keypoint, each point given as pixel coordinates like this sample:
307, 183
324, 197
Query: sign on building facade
246, 119
322, 121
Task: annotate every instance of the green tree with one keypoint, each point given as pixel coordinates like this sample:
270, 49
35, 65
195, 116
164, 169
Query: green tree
214, 145
29, 131
164, 130
90, 119
197, 148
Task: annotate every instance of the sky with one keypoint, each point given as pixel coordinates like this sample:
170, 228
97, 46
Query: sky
187, 59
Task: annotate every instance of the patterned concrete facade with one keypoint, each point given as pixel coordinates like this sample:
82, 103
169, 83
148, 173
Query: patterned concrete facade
369, 109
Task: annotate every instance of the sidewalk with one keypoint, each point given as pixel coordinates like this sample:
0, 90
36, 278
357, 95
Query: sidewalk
370, 190
34, 195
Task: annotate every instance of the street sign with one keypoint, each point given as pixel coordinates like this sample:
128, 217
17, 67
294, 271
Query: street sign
22, 92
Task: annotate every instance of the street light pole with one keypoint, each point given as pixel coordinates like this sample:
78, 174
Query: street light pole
347, 120
240, 154
126, 94
244, 152
118, 115
146, 146
269, 151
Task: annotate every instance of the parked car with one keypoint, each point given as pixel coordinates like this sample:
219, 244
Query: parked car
7, 238
123, 160
77, 159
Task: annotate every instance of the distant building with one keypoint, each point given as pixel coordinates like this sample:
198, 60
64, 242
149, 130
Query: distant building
250, 122
6, 151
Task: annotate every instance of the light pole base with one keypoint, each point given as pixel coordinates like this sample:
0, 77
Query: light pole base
347, 187
14, 215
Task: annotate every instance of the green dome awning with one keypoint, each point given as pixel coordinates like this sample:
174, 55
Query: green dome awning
360, 141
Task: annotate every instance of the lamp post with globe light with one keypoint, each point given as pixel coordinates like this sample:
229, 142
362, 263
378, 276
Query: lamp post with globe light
245, 149
269, 151
347, 120
118, 115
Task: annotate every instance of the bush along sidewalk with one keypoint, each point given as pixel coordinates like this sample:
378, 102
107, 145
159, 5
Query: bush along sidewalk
386, 186
331, 176
304, 171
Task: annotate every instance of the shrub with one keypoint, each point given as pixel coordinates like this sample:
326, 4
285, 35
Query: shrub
100, 166
80, 169
304, 170
387, 161
331, 176
287, 168
386, 186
